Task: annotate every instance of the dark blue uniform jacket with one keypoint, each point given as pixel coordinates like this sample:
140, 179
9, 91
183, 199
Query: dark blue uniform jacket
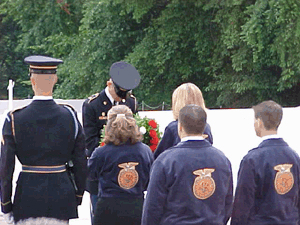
42, 134
257, 201
171, 137
170, 197
103, 166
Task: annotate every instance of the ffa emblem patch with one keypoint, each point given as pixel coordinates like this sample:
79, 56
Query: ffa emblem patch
284, 179
128, 176
204, 185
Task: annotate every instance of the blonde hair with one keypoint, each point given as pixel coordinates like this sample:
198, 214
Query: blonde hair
186, 94
121, 126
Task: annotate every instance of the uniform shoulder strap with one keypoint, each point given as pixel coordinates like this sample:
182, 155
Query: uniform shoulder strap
92, 97
73, 113
11, 114
135, 102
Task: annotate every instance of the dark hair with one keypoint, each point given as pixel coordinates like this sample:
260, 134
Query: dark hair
270, 113
121, 126
193, 119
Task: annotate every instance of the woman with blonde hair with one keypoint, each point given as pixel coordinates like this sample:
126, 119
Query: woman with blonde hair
122, 168
185, 94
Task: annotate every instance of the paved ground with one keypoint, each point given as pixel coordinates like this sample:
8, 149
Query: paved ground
83, 210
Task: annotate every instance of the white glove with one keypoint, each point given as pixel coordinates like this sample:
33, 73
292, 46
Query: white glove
9, 217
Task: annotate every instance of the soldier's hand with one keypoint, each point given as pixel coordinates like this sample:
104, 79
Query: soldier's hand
79, 200
9, 217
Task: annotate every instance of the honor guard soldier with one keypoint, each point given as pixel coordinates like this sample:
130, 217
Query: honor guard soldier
123, 78
191, 183
267, 189
44, 136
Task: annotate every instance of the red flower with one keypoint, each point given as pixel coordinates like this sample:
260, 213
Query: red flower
154, 141
102, 144
153, 147
152, 123
152, 133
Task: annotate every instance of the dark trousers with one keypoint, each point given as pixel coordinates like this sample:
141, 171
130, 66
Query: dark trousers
118, 211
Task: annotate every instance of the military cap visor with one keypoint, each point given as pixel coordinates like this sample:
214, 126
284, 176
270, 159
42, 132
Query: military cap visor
42, 64
125, 76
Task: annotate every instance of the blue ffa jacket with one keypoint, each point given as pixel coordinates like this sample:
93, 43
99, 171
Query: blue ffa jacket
42, 134
122, 171
189, 184
268, 186
171, 137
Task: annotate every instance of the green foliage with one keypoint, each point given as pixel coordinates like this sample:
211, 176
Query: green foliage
105, 37
239, 52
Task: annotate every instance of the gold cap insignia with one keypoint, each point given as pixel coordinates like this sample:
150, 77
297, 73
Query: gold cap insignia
128, 176
105, 103
204, 185
284, 179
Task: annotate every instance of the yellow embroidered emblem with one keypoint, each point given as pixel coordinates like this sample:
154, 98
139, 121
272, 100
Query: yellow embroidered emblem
128, 176
91, 98
284, 179
204, 185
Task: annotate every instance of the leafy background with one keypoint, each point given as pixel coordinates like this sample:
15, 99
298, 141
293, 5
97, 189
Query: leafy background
239, 52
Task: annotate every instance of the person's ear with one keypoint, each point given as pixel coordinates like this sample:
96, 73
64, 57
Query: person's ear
55, 79
32, 80
109, 82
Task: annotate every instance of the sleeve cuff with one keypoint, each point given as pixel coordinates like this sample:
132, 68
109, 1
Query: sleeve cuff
6, 207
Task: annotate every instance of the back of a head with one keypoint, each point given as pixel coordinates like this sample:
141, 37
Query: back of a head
270, 113
185, 94
193, 119
121, 126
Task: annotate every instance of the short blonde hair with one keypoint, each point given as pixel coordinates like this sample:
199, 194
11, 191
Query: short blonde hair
121, 126
186, 94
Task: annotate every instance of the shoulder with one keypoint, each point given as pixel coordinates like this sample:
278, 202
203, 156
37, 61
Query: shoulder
172, 126
17, 110
14, 112
143, 147
67, 106
92, 98
207, 127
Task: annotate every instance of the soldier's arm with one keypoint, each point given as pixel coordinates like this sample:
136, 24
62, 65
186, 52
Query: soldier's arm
80, 162
7, 163
244, 198
156, 197
92, 135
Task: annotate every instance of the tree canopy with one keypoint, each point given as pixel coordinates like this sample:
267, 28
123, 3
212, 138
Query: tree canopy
239, 52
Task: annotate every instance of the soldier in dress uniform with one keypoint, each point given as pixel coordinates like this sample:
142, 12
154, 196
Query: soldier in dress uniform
267, 189
123, 78
191, 183
44, 136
